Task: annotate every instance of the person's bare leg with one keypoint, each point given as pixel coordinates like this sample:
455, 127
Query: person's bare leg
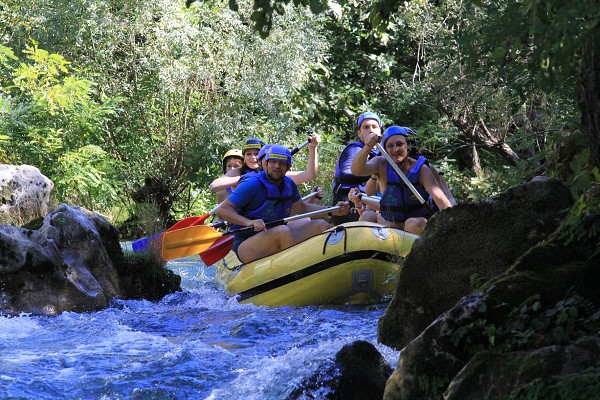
369, 216
299, 221
278, 238
383, 221
307, 229
415, 225
265, 243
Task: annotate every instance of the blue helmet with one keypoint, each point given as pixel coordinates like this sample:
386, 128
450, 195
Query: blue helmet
409, 131
393, 131
368, 115
252, 143
279, 152
263, 150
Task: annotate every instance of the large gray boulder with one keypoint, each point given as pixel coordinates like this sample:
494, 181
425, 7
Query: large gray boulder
466, 246
530, 331
72, 262
24, 193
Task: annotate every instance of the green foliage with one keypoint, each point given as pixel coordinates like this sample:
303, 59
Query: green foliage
53, 122
582, 225
582, 385
476, 281
160, 91
86, 177
49, 109
48, 81
433, 386
169, 90
530, 325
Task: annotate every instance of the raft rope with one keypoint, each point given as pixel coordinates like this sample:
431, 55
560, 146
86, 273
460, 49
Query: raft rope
337, 229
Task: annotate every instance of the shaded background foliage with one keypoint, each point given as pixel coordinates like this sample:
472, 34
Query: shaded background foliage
128, 105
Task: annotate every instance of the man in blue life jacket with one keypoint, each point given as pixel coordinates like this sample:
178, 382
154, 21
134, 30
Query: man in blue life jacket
269, 196
344, 179
399, 207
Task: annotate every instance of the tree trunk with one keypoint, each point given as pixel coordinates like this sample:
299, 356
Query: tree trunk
589, 94
476, 132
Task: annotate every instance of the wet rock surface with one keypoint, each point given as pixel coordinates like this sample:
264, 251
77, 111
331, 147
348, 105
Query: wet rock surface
72, 262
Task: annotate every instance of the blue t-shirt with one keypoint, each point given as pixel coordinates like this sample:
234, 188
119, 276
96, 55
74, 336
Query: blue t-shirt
250, 193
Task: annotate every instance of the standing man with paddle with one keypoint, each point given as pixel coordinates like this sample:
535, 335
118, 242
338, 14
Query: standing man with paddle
407, 184
270, 196
344, 179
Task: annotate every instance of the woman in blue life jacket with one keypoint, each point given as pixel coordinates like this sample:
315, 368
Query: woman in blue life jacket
414, 151
269, 196
231, 178
368, 212
344, 180
399, 207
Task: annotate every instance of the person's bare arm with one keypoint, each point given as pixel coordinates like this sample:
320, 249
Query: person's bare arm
223, 182
228, 212
371, 188
312, 166
361, 165
302, 207
428, 181
439, 178
221, 196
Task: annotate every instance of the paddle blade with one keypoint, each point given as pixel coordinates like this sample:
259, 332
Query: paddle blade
189, 221
188, 241
147, 243
217, 251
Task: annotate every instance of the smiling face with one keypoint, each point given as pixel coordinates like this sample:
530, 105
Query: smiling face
251, 158
368, 126
397, 147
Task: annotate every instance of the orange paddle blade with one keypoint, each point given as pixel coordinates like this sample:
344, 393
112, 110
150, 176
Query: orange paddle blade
188, 241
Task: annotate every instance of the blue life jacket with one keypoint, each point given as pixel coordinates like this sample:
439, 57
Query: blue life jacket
278, 204
398, 202
244, 171
336, 184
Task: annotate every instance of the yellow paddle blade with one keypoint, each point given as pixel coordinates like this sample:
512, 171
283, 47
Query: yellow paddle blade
188, 241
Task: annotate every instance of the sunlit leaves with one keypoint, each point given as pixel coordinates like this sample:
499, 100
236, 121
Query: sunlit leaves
84, 177
46, 78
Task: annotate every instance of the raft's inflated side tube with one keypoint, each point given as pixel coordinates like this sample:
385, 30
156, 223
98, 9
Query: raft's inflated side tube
354, 263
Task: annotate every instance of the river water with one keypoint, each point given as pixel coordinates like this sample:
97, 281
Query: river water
196, 344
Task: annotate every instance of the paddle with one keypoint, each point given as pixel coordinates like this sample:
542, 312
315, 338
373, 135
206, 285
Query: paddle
196, 239
217, 250
222, 246
403, 177
299, 147
146, 243
372, 201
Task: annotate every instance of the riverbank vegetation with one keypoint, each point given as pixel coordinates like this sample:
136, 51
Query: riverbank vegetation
128, 106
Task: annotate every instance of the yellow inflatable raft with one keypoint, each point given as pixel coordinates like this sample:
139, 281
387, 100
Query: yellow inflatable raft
353, 263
